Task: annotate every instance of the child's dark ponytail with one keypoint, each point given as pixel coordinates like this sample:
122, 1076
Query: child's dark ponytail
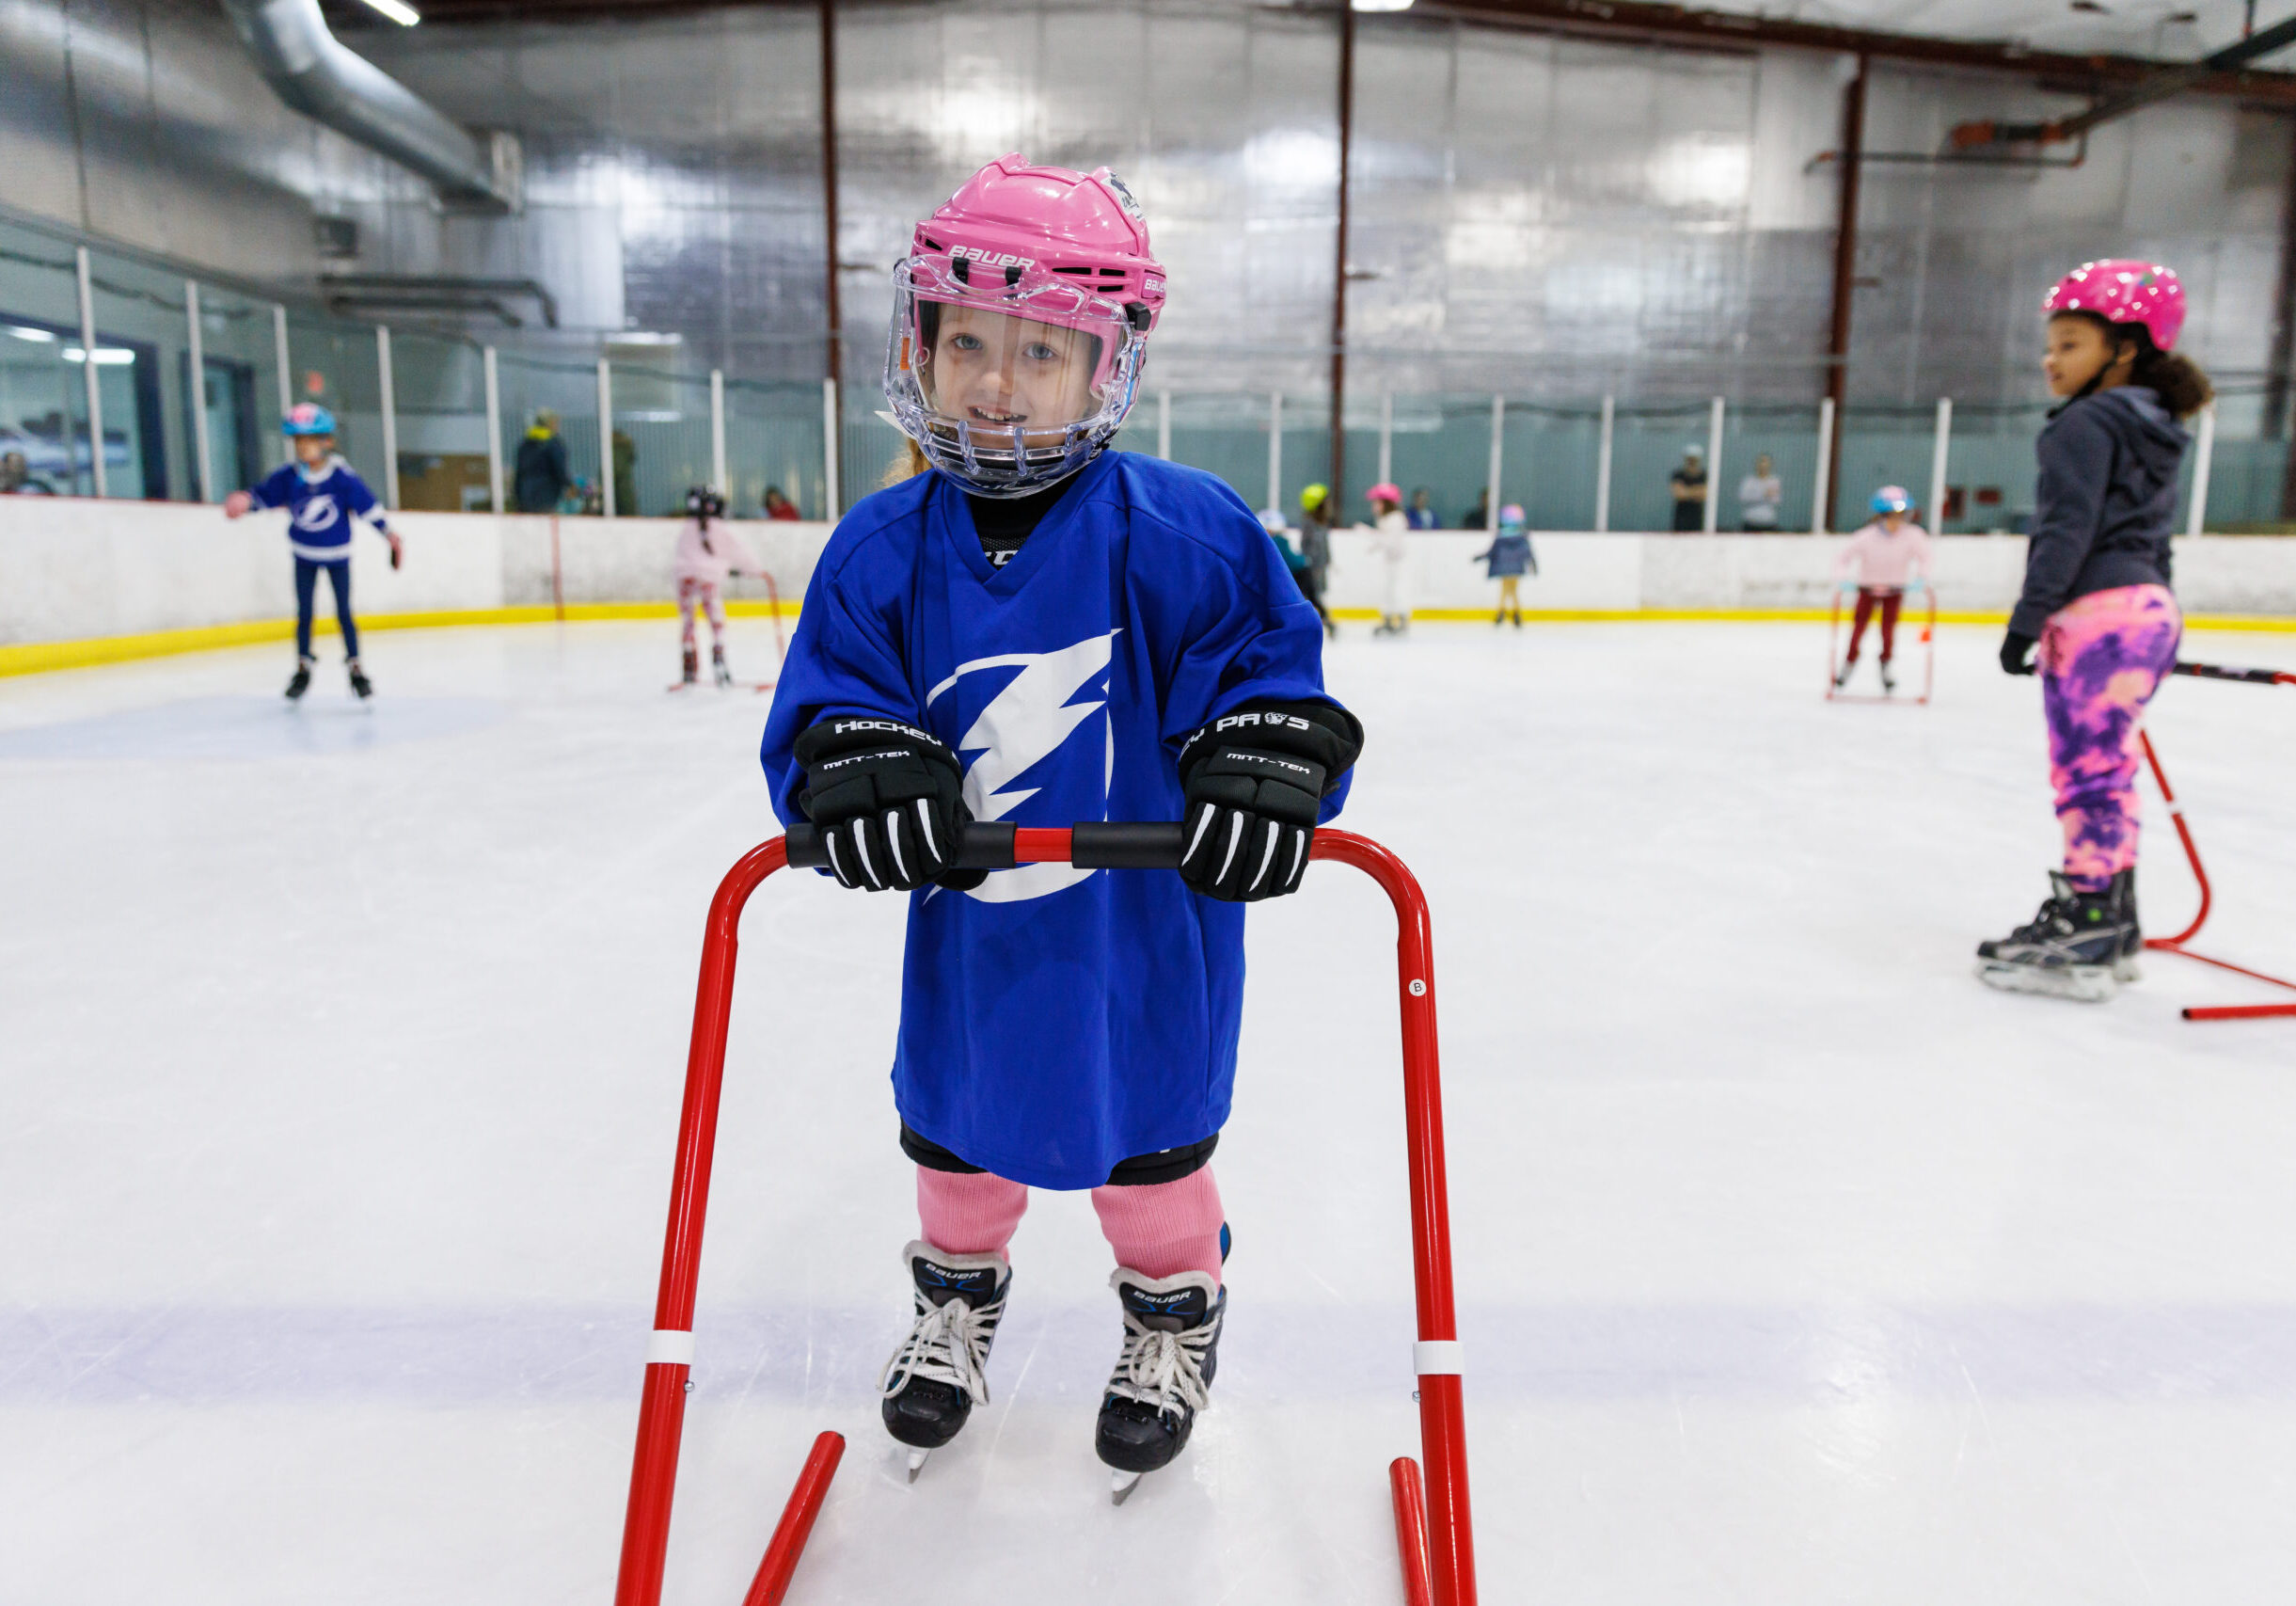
2176, 380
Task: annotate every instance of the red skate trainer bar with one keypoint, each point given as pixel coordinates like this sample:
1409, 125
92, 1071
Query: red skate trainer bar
1433, 1530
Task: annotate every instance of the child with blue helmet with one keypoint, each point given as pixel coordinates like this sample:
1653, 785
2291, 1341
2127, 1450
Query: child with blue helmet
1891, 557
1507, 558
320, 493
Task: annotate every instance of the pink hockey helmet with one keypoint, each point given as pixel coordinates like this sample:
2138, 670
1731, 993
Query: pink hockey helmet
1021, 320
2121, 290
1387, 490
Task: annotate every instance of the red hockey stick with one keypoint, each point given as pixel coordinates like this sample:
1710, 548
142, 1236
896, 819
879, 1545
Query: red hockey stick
1434, 1532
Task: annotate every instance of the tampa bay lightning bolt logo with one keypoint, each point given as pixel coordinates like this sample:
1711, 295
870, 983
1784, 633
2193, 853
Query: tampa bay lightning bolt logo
1026, 722
316, 512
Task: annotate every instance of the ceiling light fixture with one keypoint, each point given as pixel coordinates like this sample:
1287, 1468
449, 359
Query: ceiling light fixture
399, 12
1357, 5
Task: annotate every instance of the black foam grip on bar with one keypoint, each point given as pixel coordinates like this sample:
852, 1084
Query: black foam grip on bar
805, 851
987, 845
1120, 845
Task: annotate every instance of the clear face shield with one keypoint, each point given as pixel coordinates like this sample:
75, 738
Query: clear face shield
1008, 378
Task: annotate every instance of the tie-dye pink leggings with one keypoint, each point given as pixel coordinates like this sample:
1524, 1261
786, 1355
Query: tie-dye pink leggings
2102, 658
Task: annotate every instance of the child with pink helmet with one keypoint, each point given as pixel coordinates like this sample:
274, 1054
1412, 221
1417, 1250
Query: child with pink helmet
2097, 617
1034, 629
1391, 544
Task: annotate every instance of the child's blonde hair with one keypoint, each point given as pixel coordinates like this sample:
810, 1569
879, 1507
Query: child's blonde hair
907, 464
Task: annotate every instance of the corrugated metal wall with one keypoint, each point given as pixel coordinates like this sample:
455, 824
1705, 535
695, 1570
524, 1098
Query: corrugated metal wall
1553, 217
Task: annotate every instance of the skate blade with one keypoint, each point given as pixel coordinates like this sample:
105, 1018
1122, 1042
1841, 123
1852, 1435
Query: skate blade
916, 1462
2083, 986
1120, 1485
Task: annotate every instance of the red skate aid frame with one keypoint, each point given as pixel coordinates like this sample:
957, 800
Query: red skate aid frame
1433, 1530
1930, 655
2175, 944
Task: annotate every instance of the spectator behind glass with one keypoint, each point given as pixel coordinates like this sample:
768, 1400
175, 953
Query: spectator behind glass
1479, 517
779, 506
1689, 487
540, 479
16, 477
1421, 513
1759, 496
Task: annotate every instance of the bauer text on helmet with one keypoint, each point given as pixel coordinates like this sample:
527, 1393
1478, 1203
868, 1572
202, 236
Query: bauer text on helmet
1021, 320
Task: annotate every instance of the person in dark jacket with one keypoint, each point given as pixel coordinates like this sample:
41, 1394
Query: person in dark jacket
1507, 558
2097, 617
1315, 552
541, 478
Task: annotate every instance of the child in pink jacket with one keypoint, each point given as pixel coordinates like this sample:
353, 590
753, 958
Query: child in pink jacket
708, 553
1891, 556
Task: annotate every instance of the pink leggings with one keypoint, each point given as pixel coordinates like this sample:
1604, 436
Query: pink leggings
2102, 658
1158, 1231
703, 593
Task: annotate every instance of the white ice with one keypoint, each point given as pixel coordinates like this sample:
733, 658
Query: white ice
341, 1055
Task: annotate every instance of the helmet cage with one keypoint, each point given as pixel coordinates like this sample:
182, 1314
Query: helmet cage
1030, 456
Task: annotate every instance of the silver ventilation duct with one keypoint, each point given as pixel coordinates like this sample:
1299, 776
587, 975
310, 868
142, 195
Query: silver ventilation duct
316, 74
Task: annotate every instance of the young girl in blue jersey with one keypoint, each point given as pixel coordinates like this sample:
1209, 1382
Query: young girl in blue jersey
321, 494
1039, 630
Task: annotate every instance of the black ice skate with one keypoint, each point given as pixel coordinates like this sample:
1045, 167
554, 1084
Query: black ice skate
301, 681
2125, 967
1842, 679
1888, 680
2074, 948
359, 683
692, 667
724, 676
935, 1378
1164, 1376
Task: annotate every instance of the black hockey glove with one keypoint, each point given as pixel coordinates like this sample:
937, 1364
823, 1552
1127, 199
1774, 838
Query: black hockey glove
2017, 653
885, 797
1254, 780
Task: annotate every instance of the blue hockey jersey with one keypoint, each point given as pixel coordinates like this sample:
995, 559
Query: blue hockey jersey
1055, 1021
318, 507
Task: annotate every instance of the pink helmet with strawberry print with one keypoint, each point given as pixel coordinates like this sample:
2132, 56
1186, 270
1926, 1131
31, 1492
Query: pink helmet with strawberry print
2121, 290
1020, 324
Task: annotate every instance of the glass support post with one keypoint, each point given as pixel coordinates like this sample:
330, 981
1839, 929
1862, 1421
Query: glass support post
88, 374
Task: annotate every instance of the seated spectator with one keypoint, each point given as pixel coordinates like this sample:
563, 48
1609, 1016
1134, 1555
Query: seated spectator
1421, 513
779, 506
1479, 517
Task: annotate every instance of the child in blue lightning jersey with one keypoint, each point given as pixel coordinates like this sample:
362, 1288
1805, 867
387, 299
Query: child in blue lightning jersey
321, 494
1034, 630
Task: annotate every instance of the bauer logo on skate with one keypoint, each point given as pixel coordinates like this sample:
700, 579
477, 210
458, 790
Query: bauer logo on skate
1028, 732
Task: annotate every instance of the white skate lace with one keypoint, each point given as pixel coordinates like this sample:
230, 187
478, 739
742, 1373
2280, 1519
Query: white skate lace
949, 1343
1158, 1368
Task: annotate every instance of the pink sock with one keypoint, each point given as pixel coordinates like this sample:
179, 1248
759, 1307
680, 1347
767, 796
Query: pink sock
968, 1213
1166, 1228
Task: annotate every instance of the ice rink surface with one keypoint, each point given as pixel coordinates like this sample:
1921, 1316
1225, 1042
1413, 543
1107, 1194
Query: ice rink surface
341, 1054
